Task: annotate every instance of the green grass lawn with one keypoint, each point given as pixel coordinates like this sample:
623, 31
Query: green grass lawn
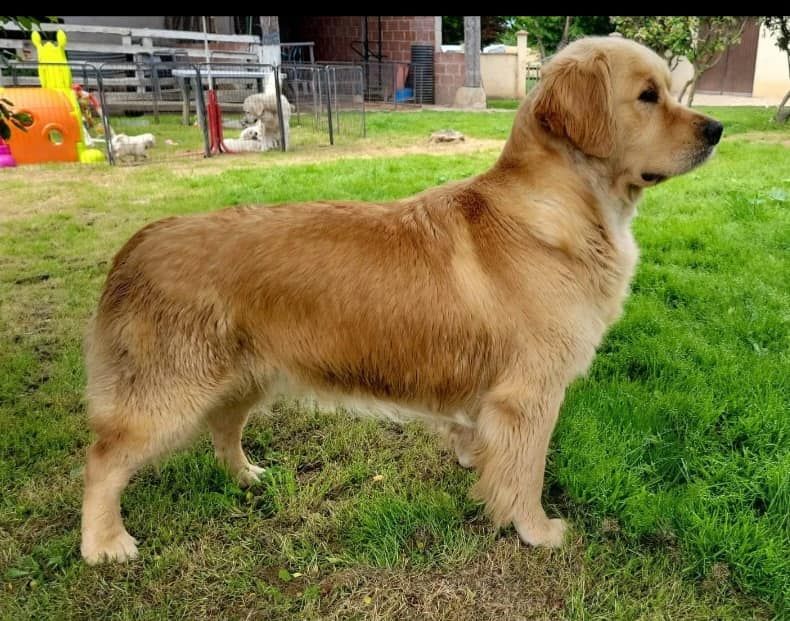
671, 459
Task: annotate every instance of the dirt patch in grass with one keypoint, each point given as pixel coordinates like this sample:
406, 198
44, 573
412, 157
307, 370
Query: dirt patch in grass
508, 582
781, 138
357, 151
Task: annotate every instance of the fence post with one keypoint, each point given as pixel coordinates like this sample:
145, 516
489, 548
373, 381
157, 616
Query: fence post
364, 126
329, 106
521, 64
334, 91
395, 86
185, 97
280, 119
200, 105
155, 92
318, 98
296, 94
105, 118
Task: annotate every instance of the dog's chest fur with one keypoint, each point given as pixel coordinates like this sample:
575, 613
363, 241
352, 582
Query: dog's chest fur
601, 255
618, 267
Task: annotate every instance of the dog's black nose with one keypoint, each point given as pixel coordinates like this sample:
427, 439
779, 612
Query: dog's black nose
712, 132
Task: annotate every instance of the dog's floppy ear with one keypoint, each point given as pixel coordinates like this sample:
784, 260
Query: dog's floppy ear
575, 101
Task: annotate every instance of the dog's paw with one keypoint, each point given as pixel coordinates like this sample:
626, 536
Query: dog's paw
120, 548
250, 475
547, 534
465, 456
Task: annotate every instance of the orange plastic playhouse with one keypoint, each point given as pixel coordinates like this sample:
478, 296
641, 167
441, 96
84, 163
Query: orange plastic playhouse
55, 132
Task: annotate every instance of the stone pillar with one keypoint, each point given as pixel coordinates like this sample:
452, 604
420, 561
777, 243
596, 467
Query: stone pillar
521, 64
270, 40
472, 51
471, 94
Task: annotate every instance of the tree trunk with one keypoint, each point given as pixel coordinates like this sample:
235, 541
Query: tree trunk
472, 51
541, 47
685, 88
692, 91
270, 40
781, 113
565, 32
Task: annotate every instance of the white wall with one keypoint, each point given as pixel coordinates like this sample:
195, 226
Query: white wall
504, 74
771, 78
680, 75
499, 73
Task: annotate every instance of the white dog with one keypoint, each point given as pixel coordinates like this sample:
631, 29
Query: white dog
262, 108
250, 140
147, 139
242, 145
124, 146
253, 132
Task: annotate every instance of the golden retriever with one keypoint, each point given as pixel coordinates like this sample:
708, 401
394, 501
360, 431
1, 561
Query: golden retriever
473, 304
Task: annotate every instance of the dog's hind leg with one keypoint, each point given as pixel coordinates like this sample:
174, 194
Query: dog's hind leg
462, 440
513, 432
130, 436
227, 424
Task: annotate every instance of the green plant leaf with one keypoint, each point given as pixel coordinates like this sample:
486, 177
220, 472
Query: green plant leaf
24, 117
5, 130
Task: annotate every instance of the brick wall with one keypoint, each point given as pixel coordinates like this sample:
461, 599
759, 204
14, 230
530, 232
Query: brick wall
449, 69
333, 36
399, 33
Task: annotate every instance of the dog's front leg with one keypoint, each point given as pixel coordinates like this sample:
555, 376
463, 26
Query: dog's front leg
513, 433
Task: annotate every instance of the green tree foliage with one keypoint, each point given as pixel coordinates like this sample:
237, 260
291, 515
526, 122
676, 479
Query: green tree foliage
702, 40
546, 31
491, 29
780, 27
25, 23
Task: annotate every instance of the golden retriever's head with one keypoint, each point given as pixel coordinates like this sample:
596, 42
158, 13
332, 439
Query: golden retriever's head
609, 97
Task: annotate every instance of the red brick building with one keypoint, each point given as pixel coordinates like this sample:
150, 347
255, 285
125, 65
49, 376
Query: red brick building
340, 38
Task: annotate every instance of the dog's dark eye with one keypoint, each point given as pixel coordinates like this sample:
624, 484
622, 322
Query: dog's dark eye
650, 96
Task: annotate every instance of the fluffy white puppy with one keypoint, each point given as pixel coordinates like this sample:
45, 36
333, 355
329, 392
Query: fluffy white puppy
240, 145
124, 146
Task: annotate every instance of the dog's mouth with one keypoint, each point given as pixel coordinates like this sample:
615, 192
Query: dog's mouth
653, 177
688, 162
702, 154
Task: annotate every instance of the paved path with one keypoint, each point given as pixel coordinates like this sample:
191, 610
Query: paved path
703, 99
700, 99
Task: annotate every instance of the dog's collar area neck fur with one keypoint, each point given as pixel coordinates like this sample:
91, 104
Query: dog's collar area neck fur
537, 132
634, 194
607, 182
